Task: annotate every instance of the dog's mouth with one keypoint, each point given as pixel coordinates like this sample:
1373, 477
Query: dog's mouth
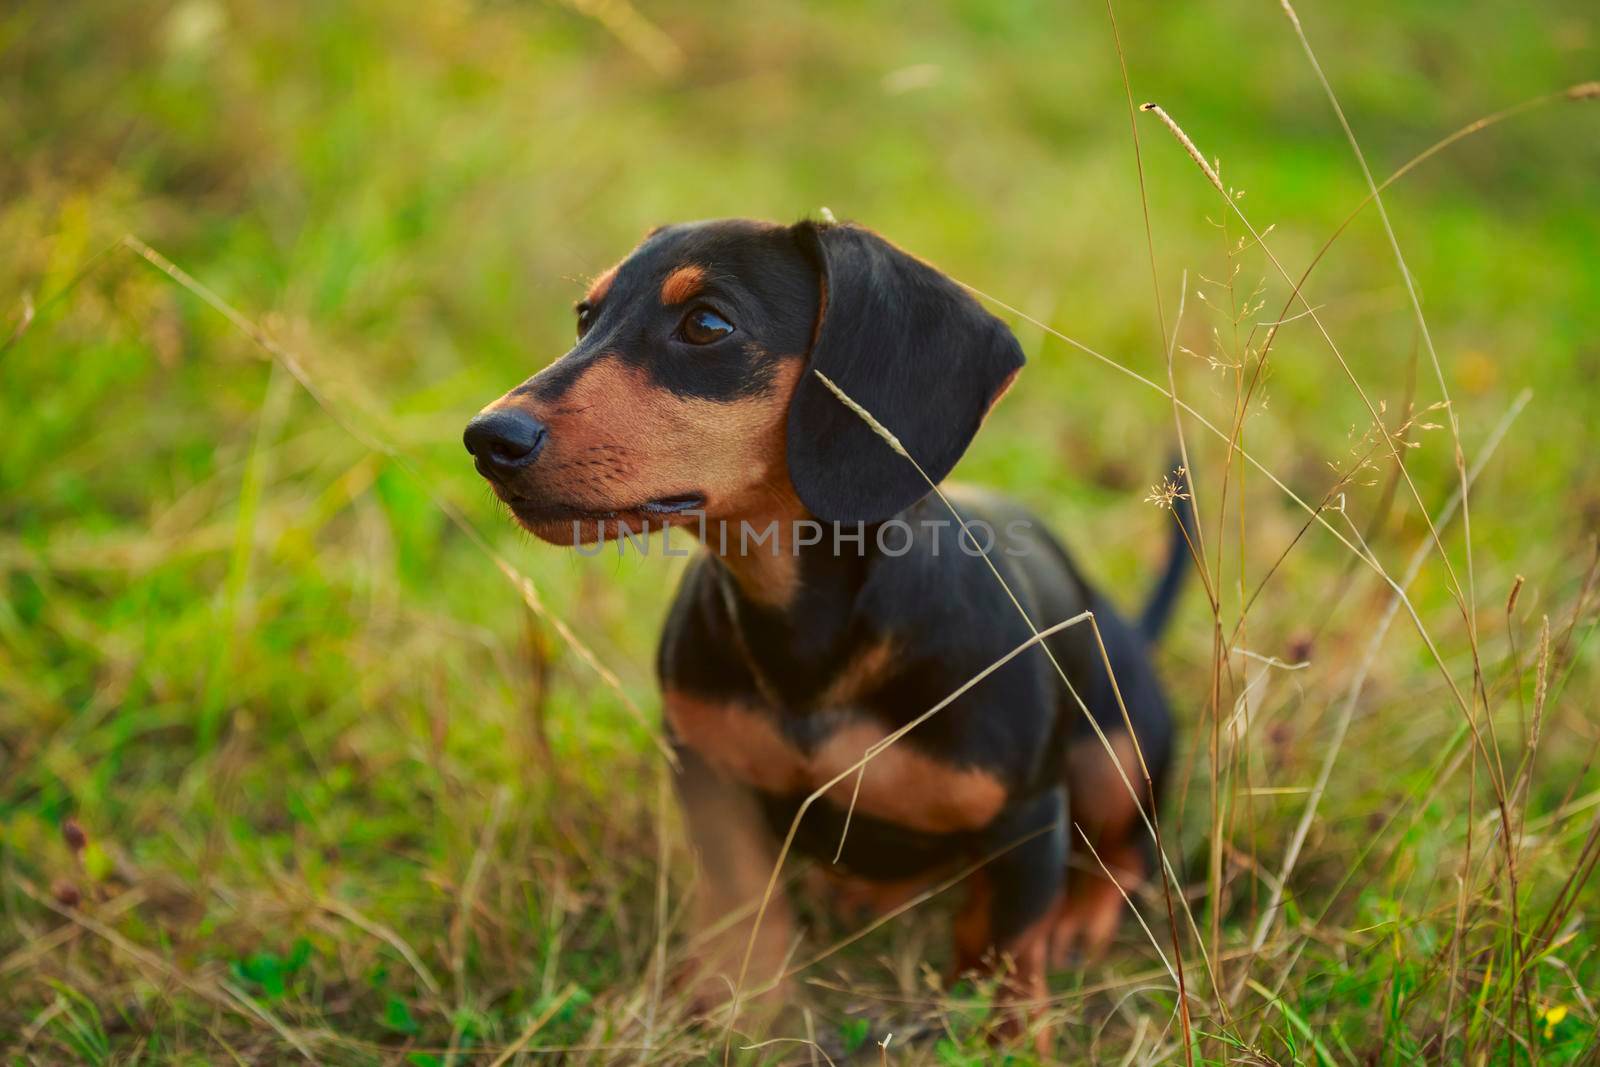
674, 505
542, 514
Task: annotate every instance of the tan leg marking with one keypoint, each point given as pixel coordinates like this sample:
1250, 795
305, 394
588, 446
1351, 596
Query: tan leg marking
971, 926
1019, 964
735, 851
1087, 919
743, 744
1091, 910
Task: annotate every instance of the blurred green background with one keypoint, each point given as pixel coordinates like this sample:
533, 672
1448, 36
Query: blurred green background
344, 795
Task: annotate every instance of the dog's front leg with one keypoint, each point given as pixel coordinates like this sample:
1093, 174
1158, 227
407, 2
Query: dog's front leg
1004, 926
735, 852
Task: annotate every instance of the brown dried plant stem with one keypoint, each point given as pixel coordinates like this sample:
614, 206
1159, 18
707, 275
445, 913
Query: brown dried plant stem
1454, 421
1580, 92
1468, 707
224, 995
1575, 93
1395, 449
1416, 307
1358, 683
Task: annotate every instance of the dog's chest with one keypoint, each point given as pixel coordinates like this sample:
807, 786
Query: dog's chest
845, 754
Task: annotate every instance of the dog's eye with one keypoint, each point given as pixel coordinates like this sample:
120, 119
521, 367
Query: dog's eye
585, 318
703, 326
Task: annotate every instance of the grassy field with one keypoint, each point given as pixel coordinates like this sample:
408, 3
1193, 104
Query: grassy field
289, 769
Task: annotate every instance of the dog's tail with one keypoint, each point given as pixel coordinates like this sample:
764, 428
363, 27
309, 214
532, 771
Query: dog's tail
1158, 609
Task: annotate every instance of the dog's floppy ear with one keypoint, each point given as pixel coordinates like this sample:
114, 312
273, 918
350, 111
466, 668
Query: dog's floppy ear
911, 347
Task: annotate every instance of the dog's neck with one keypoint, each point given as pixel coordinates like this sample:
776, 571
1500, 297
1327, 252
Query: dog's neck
792, 597
760, 543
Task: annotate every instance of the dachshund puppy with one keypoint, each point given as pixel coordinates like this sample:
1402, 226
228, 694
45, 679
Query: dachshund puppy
838, 599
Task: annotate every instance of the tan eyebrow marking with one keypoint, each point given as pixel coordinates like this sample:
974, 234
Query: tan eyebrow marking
601, 286
681, 284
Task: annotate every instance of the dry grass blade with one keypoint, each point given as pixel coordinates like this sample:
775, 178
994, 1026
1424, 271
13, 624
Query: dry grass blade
557, 1002
31, 312
1454, 422
635, 31
1396, 452
223, 994
1358, 681
345, 911
1584, 91
1468, 707
29, 955
24, 320
810, 1045
461, 924
1106, 871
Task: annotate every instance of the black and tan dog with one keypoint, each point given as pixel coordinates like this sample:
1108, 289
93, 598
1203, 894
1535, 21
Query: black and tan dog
838, 599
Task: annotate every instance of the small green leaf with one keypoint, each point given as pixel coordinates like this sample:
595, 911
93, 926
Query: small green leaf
573, 1003
97, 863
263, 971
397, 1017
854, 1034
299, 953
952, 1055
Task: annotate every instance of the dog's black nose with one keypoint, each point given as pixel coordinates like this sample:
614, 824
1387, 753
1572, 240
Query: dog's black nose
503, 441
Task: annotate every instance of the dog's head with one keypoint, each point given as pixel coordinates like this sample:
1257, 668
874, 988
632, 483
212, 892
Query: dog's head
689, 390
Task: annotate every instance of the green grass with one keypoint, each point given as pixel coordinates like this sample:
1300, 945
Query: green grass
344, 795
